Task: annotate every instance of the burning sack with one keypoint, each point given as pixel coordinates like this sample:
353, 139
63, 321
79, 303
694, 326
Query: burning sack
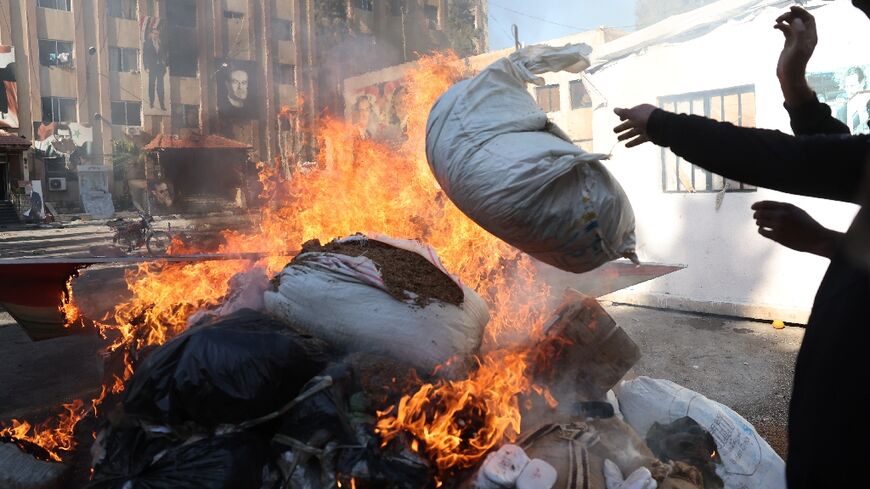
240, 367
136, 459
382, 296
20, 469
747, 460
512, 171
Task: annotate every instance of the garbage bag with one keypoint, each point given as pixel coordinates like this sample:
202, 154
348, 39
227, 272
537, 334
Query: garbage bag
240, 367
747, 460
508, 168
21, 470
136, 460
383, 296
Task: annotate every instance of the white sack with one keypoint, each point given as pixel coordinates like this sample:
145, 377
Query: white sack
512, 171
747, 460
343, 301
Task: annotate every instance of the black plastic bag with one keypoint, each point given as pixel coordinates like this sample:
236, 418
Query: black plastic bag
136, 460
240, 367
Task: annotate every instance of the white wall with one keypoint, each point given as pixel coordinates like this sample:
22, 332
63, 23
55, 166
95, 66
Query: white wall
731, 269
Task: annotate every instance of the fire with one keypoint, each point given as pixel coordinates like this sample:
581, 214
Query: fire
68, 307
55, 436
380, 188
458, 422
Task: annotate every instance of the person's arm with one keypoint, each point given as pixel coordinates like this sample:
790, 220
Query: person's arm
830, 167
808, 115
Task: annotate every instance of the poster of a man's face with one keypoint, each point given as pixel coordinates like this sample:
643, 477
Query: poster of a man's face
236, 97
155, 59
8, 89
72, 143
847, 91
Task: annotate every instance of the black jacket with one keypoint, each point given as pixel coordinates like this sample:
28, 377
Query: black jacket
830, 406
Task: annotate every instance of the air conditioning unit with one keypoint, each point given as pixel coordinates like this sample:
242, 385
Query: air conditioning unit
57, 184
134, 131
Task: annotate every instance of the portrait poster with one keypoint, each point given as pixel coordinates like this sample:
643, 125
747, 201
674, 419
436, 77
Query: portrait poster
380, 112
8, 89
70, 144
237, 91
847, 92
155, 67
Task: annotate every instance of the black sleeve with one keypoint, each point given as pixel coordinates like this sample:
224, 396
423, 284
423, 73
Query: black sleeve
826, 166
814, 117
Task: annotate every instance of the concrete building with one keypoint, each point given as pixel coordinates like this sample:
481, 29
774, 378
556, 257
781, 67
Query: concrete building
90, 72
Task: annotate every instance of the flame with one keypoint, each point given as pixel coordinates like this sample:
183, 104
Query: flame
55, 436
374, 187
69, 309
458, 422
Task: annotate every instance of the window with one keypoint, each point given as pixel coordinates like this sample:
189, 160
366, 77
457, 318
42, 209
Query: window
127, 113
396, 7
431, 13
181, 13
54, 4
57, 109
285, 74
734, 105
123, 59
548, 98
282, 30
55, 53
185, 116
183, 54
229, 14
367, 5
580, 98
122, 9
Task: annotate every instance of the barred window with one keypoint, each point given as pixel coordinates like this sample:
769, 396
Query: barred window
735, 105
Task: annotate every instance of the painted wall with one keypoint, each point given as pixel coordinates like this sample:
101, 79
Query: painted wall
731, 269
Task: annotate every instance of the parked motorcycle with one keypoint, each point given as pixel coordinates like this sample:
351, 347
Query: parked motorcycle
133, 235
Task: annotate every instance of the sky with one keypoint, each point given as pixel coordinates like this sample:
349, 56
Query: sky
540, 20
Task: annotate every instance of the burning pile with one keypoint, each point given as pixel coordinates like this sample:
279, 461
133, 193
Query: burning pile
363, 412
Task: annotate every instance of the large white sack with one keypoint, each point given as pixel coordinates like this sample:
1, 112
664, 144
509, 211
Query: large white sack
512, 171
343, 300
747, 460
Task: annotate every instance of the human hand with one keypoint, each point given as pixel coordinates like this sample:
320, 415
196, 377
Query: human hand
792, 227
633, 128
799, 28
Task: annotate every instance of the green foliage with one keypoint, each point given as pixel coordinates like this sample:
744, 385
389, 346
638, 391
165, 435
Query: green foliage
128, 160
463, 36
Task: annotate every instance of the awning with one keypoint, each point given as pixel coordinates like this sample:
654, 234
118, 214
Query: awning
164, 142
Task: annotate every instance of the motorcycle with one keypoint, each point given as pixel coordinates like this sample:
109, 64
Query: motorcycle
134, 235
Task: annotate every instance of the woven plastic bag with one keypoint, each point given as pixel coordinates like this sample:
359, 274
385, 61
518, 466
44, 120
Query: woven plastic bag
516, 174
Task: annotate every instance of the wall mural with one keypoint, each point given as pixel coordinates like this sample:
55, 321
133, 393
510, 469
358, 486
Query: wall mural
847, 91
155, 61
70, 144
8, 89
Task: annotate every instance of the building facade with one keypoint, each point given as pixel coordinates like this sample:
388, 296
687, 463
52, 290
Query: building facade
93, 72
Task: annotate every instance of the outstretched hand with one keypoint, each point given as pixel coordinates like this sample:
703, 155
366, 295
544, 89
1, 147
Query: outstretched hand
634, 126
792, 227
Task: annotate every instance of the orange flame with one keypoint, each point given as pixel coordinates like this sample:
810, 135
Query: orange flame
68, 307
458, 422
374, 187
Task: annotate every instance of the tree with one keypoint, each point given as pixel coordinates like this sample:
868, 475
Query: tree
463, 35
128, 160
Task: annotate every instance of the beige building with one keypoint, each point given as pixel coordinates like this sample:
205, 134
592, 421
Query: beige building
92, 72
